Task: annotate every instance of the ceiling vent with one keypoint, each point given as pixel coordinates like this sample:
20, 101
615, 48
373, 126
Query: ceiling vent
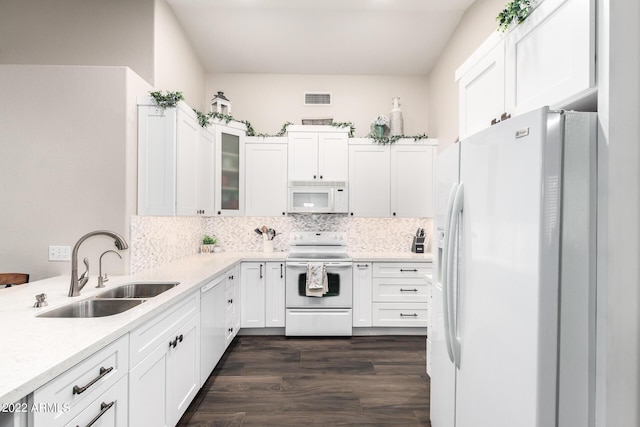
317, 98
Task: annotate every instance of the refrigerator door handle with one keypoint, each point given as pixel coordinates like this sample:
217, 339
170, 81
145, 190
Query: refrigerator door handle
453, 274
445, 271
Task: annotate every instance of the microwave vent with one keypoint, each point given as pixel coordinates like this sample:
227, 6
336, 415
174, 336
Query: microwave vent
317, 184
317, 98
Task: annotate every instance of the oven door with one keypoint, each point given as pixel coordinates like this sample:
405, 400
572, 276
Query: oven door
339, 277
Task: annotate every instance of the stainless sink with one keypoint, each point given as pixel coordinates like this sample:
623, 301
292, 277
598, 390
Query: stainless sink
138, 290
93, 308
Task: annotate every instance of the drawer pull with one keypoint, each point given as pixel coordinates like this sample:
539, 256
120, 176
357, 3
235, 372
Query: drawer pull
408, 315
103, 371
362, 265
104, 407
408, 290
173, 343
415, 270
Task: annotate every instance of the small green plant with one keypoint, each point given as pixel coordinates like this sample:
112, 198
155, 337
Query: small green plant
516, 10
208, 240
170, 99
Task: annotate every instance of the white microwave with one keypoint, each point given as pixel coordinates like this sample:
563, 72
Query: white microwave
313, 197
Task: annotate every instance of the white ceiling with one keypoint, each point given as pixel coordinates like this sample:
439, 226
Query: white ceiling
370, 37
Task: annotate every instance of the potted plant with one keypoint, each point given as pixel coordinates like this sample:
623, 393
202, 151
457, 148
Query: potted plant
208, 244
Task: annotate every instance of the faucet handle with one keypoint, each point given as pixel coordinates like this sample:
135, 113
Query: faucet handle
41, 301
84, 278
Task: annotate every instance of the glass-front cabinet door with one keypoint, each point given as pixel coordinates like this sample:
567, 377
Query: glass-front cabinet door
230, 170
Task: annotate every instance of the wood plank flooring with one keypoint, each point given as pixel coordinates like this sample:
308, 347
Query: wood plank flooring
279, 381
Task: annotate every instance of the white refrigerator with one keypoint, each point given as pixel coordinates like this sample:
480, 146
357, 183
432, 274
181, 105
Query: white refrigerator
513, 327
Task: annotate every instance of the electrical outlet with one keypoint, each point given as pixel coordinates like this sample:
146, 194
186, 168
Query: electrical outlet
59, 253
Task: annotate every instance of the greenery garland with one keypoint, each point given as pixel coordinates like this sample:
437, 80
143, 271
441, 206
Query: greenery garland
170, 99
384, 140
352, 128
516, 10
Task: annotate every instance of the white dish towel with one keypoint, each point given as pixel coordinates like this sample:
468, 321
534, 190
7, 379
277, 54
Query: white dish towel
317, 283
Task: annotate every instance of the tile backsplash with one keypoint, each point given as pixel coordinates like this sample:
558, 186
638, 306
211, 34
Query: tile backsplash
158, 240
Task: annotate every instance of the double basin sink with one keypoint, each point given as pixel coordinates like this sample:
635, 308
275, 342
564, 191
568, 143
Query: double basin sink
113, 301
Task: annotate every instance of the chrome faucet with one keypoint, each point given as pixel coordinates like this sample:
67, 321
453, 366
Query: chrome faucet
101, 279
76, 285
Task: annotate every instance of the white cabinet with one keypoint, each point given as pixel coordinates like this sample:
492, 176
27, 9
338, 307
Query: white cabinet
230, 172
400, 294
266, 176
212, 325
318, 153
412, 179
175, 161
263, 294
236, 277
362, 293
369, 179
165, 352
110, 409
549, 59
274, 294
73, 394
481, 86
253, 281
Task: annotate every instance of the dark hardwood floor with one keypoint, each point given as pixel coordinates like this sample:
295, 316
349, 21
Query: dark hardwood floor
279, 381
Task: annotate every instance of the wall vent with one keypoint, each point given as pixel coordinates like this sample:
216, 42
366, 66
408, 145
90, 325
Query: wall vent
317, 98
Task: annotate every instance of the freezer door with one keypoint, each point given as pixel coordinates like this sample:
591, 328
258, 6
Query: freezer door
507, 285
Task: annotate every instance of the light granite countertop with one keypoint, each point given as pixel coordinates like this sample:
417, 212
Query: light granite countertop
35, 350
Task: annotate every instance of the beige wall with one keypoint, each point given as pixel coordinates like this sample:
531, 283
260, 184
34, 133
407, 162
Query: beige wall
78, 32
475, 26
68, 136
268, 101
176, 64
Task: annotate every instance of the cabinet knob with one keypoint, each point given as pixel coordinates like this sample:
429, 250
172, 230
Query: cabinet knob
320, 176
283, 213
351, 213
219, 212
314, 177
394, 214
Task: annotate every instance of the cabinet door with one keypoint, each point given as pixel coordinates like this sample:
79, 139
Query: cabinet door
362, 282
236, 278
206, 172
229, 196
188, 131
369, 181
412, 180
148, 404
184, 368
212, 329
253, 282
303, 156
333, 156
550, 57
156, 161
481, 91
275, 295
266, 179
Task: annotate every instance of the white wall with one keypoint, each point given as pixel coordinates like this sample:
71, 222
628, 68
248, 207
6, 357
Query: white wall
176, 64
270, 100
67, 161
478, 22
78, 32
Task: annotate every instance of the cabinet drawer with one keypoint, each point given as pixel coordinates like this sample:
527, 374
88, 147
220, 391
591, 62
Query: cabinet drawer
229, 302
157, 331
401, 269
72, 391
229, 331
400, 314
108, 409
400, 290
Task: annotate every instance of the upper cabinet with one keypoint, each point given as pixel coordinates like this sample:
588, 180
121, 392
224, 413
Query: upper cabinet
229, 183
549, 59
391, 180
266, 176
318, 153
175, 161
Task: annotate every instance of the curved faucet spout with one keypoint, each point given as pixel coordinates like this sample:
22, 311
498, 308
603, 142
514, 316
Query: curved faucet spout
121, 244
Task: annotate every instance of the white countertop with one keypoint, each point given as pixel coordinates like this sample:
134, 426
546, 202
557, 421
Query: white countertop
36, 350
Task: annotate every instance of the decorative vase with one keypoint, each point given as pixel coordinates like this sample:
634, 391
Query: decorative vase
378, 130
395, 119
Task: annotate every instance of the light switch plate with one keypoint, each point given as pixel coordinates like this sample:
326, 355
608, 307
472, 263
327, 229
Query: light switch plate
59, 253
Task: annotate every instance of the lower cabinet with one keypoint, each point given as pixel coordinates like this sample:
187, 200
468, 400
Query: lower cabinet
263, 294
77, 394
212, 325
362, 298
167, 377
